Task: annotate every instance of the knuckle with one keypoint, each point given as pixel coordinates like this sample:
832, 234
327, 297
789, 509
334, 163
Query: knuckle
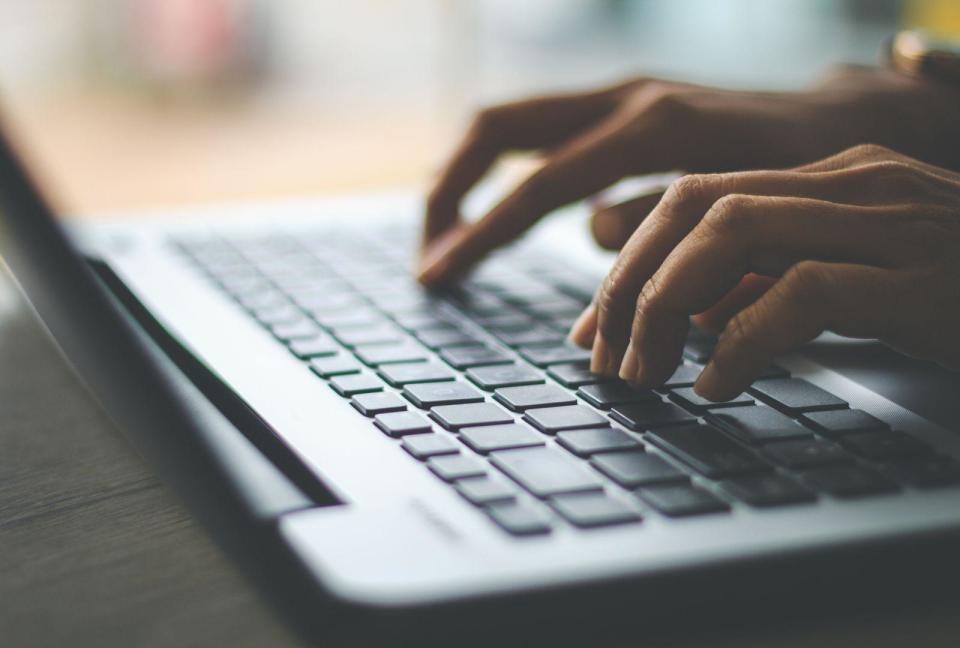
688, 189
868, 152
651, 296
804, 282
488, 121
729, 214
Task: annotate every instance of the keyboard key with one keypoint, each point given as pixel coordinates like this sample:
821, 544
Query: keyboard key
645, 416
496, 376
353, 384
707, 450
686, 397
544, 356
441, 338
588, 442
313, 347
422, 321
338, 365
926, 472
756, 425
545, 471
795, 396
767, 490
377, 403
575, 375
587, 510
681, 500
302, 329
565, 417
519, 518
607, 394
427, 395
805, 453
349, 319
531, 336
522, 398
454, 417
632, 469
384, 354
280, 314
684, 376
483, 490
424, 446
843, 421
398, 424
489, 438
400, 375
884, 444
847, 481
454, 467
380, 334
506, 321
466, 357
699, 348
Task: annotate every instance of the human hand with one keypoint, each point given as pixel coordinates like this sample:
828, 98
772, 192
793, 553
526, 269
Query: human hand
591, 140
864, 244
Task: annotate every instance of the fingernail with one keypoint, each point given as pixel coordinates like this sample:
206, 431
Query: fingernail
630, 367
582, 333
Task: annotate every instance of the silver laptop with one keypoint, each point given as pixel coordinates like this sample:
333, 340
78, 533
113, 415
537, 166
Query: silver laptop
390, 464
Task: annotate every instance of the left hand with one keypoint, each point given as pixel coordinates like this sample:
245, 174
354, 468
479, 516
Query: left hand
865, 243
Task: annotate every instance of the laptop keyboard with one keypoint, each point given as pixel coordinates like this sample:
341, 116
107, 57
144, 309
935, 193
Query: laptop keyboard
480, 386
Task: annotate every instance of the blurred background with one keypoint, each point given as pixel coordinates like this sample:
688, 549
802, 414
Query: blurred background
129, 103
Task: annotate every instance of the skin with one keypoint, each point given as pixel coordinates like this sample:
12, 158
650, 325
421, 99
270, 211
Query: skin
809, 246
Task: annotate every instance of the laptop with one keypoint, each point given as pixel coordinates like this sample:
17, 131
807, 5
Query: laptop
389, 464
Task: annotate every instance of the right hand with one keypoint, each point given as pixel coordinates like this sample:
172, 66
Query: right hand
589, 141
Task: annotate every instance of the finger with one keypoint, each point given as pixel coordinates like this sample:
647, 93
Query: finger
613, 225
738, 235
523, 125
583, 330
580, 169
749, 290
852, 300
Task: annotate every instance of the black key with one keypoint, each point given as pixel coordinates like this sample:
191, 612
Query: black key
773, 371
506, 321
398, 424
399, 375
757, 424
795, 396
338, 365
545, 471
575, 375
314, 347
488, 438
441, 338
847, 481
353, 384
565, 417
707, 450
483, 490
519, 518
424, 446
884, 444
607, 394
303, 329
350, 319
385, 354
377, 403
532, 336
843, 421
645, 416
422, 321
522, 398
767, 490
478, 356
454, 467
454, 417
380, 334
496, 376
684, 376
587, 510
699, 349
427, 395
550, 355
632, 469
686, 397
680, 500
927, 472
588, 442
806, 453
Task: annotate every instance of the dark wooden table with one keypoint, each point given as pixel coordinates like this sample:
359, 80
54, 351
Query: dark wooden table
94, 551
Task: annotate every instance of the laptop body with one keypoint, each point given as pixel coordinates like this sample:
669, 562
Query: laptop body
354, 536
